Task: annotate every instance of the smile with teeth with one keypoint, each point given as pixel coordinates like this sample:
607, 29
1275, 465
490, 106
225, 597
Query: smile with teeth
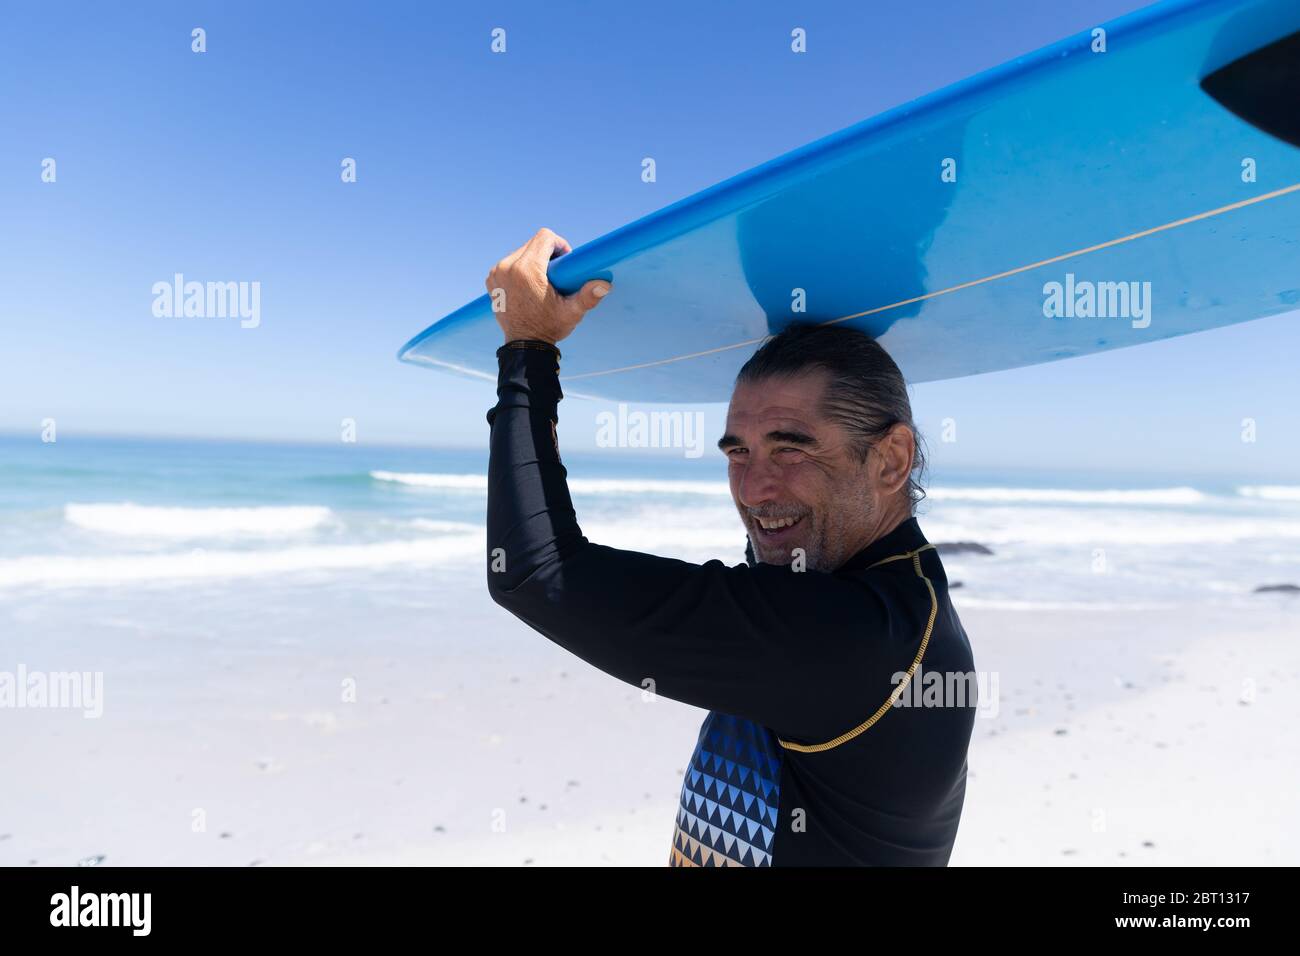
776, 524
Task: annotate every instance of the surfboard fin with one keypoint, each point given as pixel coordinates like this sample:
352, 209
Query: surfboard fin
1263, 88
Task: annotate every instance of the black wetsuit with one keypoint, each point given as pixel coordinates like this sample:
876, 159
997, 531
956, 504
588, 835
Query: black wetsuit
802, 759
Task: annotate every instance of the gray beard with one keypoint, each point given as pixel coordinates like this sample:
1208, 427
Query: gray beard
812, 558
817, 557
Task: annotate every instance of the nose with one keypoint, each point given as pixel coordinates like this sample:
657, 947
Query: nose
757, 483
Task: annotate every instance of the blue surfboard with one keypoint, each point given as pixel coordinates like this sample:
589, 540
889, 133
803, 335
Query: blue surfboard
1107, 191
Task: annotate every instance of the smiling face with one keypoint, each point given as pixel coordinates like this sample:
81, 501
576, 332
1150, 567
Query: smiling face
797, 480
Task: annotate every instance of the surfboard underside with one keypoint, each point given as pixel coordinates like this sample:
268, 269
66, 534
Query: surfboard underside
944, 228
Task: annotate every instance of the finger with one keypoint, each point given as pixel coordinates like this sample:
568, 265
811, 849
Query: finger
588, 297
544, 247
511, 258
527, 249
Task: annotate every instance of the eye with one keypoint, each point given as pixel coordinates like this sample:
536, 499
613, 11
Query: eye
736, 452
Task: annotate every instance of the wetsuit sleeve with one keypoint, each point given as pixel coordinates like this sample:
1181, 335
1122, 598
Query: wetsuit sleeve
800, 652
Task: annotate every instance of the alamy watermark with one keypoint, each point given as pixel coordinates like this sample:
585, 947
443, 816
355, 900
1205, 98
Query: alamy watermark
67, 690
179, 299
626, 429
978, 689
128, 910
1083, 299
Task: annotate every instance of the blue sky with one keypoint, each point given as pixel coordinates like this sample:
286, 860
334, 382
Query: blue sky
226, 165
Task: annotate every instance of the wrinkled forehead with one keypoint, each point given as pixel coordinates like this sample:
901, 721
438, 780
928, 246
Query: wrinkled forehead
779, 401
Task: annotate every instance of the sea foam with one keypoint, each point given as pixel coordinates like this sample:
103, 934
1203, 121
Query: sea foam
164, 522
588, 486
74, 571
1111, 496
1270, 492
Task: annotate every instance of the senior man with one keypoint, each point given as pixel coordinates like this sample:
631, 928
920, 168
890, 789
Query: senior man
803, 655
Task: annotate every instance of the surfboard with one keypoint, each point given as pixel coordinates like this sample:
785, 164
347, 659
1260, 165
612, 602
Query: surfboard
1133, 182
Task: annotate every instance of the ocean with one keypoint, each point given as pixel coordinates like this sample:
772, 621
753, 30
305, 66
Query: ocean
124, 519
277, 653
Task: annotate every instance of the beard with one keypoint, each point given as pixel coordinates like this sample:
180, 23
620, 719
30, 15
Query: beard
824, 535
767, 552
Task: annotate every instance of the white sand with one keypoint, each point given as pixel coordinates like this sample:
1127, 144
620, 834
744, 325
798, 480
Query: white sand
494, 747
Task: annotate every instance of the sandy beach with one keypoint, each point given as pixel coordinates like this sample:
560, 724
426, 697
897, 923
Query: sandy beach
1120, 737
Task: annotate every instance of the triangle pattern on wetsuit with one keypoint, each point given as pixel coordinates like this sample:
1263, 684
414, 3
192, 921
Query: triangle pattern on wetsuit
727, 814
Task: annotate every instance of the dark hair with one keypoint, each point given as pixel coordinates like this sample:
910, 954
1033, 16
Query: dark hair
866, 394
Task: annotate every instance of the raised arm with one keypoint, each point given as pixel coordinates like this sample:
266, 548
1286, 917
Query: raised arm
809, 654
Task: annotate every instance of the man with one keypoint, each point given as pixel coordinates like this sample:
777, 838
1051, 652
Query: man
800, 654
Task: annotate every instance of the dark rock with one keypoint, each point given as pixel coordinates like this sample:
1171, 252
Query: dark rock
1277, 588
961, 547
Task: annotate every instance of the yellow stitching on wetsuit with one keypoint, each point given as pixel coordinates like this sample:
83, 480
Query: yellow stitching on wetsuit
902, 685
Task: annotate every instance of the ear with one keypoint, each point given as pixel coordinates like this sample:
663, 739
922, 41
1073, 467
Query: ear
896, 452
